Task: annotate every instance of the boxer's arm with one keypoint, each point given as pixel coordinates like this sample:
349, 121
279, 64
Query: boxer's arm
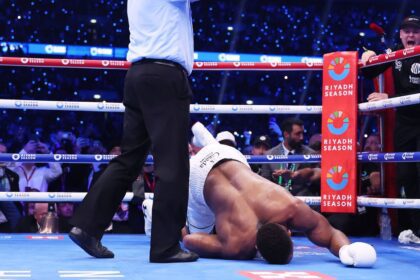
317, 228
212, 246
202, 135
205, 245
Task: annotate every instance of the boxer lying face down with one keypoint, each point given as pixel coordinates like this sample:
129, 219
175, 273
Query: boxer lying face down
232, 212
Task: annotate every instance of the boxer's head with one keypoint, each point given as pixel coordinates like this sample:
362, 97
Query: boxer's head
275, 244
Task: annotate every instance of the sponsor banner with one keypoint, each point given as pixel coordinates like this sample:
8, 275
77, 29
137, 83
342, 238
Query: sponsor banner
287, 275
254, 109
389, 157
363, 157
264, 66
47, 49
75, 158
383, 58
339, 133
101, 52
50, 196
68, 158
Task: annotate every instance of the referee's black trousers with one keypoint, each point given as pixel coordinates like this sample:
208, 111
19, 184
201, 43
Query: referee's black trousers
156, 98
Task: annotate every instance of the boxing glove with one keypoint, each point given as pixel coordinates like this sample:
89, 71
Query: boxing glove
358, 254
147, 212
202, 135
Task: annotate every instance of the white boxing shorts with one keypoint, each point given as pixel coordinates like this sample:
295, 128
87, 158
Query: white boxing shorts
199, 216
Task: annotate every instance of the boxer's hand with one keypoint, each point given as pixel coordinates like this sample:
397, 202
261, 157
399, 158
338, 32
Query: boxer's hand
377, 96
204, 137
147, 207
366, 55
358, 254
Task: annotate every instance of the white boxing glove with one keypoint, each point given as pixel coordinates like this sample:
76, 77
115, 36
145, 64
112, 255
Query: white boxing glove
202, 136
358, 254
147, 207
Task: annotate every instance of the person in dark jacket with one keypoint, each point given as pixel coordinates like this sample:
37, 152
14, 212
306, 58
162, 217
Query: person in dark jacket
9, 182
406, 75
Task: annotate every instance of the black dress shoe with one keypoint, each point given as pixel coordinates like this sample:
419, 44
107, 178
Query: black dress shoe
180, 256
89, 244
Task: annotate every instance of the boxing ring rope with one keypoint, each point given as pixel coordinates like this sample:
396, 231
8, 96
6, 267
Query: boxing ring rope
201, 66
310, 200
119, 107
262, 159
110, 107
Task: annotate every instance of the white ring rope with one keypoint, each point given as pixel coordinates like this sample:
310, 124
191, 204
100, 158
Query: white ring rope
310, 200
119, 107
203, 108
390, 103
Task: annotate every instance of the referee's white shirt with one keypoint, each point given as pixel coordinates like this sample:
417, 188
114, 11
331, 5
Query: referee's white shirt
161, 29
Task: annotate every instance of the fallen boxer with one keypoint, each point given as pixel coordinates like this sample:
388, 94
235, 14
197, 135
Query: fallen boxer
232, 212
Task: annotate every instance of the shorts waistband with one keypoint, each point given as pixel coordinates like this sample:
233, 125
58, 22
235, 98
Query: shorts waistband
163, 62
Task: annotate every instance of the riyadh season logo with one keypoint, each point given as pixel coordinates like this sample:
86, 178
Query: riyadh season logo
337, 178
338, 123
98, 157
338, 69
16, 156
196, 107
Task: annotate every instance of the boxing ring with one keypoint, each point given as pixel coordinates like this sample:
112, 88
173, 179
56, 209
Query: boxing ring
54, 256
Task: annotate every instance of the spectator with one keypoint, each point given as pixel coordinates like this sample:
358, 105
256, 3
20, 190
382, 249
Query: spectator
9, 182
365, 221
260, 146
299, 179
315, 142
65, 211
370, 171
32, 223
407, 128
34, 176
